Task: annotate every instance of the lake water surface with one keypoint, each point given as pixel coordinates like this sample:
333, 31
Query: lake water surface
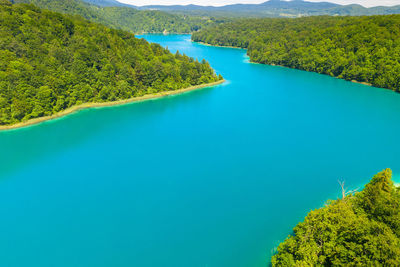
215, 177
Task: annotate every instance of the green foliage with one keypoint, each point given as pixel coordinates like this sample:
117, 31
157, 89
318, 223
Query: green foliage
128, 18
50, 61
152, 21
360, 230
364, 49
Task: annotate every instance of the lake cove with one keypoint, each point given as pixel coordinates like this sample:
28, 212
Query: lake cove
213, 177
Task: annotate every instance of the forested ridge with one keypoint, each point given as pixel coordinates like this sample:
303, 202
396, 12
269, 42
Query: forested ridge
360, 229
128, 18
50, 61
364, 49
278, 8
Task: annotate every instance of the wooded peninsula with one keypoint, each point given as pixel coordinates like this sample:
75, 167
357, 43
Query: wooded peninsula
50, 62
363, 49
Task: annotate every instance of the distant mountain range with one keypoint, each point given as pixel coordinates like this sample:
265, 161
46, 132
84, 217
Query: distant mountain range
272, 8
104, 3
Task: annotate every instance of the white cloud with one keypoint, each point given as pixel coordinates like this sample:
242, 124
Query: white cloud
367, 3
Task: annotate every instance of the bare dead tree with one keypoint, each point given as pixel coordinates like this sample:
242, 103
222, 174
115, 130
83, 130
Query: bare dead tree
344, 190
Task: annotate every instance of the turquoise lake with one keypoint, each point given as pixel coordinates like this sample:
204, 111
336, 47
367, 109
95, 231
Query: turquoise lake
210, 178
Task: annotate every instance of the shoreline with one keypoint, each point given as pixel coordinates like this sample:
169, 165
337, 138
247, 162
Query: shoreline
217, 45
162, 33
353, 81
77, 108
365, 83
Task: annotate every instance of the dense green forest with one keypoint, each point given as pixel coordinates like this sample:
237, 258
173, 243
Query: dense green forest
127, 18
361, 229
364, 49
106, 3
50, 61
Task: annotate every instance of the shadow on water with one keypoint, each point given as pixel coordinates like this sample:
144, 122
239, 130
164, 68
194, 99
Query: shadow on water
25, 146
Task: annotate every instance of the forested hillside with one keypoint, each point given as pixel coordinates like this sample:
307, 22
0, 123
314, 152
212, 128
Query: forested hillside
278, 8
50, 61
362, 229
106, 3
364, 49
128, 18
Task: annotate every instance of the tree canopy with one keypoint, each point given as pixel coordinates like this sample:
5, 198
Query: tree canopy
128, 18
50, 61
362, 229
364, 49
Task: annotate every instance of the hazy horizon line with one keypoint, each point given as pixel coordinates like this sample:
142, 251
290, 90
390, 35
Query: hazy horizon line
228, 4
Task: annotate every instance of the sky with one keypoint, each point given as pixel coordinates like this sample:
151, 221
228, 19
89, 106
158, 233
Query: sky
366, 3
